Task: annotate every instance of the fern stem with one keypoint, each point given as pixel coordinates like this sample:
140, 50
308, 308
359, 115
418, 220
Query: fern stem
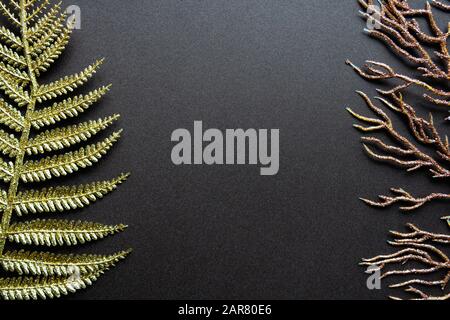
12, 192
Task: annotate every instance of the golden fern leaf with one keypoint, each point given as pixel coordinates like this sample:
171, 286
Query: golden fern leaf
67, 84
44, 287
14, 90
50, 264
3, 199
11, 117
6, 170
9, 15
15, 6
66, 109
9, 145
48, 36
59, 199
12, 57
43, 37
59, 232
61, 165
10, 38
17, 74
35, 12
45, 23
61, 138
49, 55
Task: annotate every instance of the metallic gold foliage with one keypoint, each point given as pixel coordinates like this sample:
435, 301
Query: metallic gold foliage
33, 288
46, 23
50, 264
48, 35
41, 36
11, 117
6, 170
9, 14
67, 163
14, 90
398, 26
3, 199
51, 53
61, 138
19, 76
59, 232
10, 38
66, 109
12, 57
67, 84
9, 145
59, 199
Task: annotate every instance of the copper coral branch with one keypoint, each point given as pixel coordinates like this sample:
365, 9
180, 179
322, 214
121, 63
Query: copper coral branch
440, 5
423, 296
403, 196
419, 248
419, 158
423, 130
419, 236
396, 26
381, 71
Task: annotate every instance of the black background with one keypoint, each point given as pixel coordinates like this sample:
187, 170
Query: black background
225, 232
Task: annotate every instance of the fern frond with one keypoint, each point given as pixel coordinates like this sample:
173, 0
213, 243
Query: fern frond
50, 264
49, 35
66, 109
49, 55
59, 199
15, 5
60, 138
9, 145
43, 288
59, 232
8, 14
11, 117
12, 57
44, 24
14, 90
3, 199
61, 165
35, 12
6, 170
41, 37
10, 38
67, 84
17, 74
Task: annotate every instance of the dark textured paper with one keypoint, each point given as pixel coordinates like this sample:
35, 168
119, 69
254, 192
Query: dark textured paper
225, 232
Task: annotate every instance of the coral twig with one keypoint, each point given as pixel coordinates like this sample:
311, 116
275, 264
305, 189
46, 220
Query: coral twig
419, 247
419, 159
396, 25
403, 196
